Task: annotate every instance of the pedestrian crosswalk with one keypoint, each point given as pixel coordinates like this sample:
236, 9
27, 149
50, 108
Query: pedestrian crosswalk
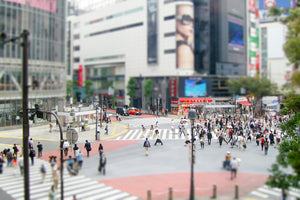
266, 192
83, 187
164, 134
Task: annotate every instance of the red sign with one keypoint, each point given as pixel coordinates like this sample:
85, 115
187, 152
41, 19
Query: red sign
257, 61
252, 6
80, 74
195, 100
269, 3
173, 87
47, 5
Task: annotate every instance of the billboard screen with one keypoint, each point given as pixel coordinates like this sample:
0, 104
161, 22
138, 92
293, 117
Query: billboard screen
195, 88
185, 36
236, 34
282, 4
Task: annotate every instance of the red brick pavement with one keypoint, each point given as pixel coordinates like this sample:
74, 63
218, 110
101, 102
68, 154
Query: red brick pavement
180, 182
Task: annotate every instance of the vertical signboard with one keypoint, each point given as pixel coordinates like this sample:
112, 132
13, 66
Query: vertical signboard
152, 32
80, 76
253, 39
173, 87
185, 36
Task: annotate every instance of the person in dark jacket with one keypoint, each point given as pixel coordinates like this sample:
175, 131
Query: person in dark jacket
32, 155
102, 164
88, 148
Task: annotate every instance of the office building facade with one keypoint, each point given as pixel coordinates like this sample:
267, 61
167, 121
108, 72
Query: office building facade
45, 21
174, 43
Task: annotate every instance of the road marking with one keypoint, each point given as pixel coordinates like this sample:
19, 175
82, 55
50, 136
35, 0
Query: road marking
259, 194
269, 192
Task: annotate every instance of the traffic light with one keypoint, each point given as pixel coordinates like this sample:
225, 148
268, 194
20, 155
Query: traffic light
39, 113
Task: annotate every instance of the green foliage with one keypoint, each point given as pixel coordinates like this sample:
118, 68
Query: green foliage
286, 170
258, 86
131, 89
148, 89
88, 88
69, 89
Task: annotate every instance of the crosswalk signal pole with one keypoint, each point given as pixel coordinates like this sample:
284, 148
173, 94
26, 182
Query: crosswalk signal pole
192, 116
25, 44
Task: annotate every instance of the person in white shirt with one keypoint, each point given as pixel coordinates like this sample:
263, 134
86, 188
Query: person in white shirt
234, 167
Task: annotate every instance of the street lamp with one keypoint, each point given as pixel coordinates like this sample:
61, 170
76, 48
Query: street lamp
25, 44
40, 114
192, 116
96, 134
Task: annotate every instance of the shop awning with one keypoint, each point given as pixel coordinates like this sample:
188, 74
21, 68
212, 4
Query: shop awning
244, 103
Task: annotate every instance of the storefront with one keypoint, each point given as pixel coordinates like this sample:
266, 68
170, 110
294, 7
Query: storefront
181, 106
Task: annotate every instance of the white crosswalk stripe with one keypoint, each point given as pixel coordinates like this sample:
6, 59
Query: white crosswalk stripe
83, 187
164, 134
267, 192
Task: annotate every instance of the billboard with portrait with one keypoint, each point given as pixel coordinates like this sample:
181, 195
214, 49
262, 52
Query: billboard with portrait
185, 36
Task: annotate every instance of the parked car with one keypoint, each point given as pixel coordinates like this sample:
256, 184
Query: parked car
122, 111
134, 111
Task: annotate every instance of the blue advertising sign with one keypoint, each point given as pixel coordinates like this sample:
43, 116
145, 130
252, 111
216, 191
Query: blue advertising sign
282, 4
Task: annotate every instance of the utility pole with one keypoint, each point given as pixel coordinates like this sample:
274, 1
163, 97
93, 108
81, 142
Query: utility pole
25, 44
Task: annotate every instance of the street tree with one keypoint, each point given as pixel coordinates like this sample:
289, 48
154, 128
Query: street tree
88, 89
131, 89
258, 87
285, 172
292, 21
148, 91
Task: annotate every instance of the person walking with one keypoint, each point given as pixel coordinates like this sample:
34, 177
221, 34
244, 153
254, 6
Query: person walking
106, 129
32, 155
209, 136
21, 164
1, 164
16, 150
66, 147
220, 138
52, 193
147, 146
50, 127
88, 148
102, 164
9, 157
262, 141
266, 146
80, 158
43, 172
75, 149
30, 143
100, 149
40, 149
202, 142
234, 167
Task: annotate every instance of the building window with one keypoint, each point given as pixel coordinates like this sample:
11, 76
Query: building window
76, 37
76, 60
76, 48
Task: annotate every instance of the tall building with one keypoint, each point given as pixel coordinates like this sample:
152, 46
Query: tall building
45, 20
274, 64
188, 48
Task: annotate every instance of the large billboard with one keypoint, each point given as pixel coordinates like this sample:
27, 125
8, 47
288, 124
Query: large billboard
265, 5
47, 5
236, 33
152, 31
185, 36
195, 87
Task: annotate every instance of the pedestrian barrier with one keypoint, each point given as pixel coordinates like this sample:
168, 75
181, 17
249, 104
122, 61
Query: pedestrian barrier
214, 195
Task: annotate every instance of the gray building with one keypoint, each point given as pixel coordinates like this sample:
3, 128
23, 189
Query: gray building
45, 21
